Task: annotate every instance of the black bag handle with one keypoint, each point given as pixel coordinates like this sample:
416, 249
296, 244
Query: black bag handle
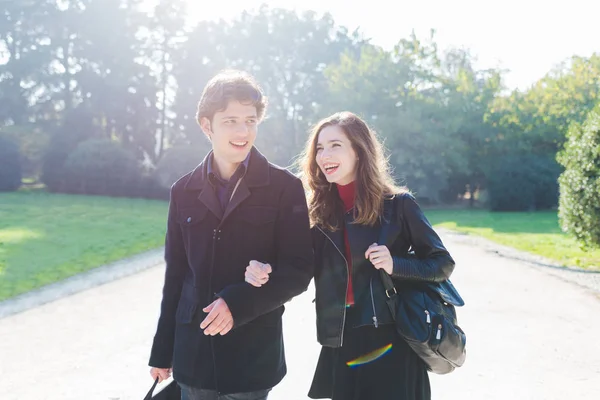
388, 212
149, 395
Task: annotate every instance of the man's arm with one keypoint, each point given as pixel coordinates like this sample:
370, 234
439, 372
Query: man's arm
292, 270
176, 263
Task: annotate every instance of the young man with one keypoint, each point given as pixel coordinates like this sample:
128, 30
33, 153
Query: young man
221, 336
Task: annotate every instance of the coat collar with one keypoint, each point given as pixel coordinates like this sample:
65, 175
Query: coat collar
257, 174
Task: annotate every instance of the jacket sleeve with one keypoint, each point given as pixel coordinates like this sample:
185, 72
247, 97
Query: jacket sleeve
292, 270
431, 261
317, 245
176, 262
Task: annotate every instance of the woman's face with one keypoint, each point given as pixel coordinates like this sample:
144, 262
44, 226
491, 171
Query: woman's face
335, 156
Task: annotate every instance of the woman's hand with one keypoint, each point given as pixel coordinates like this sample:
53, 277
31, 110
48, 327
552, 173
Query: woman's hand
257, 273
380, 257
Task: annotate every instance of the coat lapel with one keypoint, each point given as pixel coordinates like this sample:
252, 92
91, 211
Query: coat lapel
240, 194
209, 198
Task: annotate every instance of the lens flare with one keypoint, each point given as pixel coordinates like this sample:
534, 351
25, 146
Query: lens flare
370, 357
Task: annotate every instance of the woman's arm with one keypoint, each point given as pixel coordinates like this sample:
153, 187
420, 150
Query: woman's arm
431, 262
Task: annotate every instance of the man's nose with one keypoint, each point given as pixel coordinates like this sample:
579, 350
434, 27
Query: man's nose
242, 129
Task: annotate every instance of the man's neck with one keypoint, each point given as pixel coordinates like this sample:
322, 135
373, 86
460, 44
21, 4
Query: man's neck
224, 169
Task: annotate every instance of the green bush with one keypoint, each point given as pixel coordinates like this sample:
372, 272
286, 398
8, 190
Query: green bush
579, 206
523, 183
101, 167
545, 172
10, 166
32, 142
149, 188
176, 162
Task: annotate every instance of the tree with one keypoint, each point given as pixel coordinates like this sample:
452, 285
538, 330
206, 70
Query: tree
115, 84
428, 107
533, 124
286, 51
467, 94
24, 55
165, 35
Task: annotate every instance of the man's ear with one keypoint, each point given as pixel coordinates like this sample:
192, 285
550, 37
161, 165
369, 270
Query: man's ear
206, 127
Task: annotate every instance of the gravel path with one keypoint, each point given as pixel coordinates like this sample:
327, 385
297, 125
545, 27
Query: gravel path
532, 334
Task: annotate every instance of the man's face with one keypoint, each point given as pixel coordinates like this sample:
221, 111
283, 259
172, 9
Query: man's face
232, 131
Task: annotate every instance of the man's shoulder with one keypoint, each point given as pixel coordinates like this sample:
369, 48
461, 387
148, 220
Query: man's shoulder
281, 175
180, 183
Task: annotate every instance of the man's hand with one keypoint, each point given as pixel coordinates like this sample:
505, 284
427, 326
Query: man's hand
160, 373
219, 319
380, 257
257, 273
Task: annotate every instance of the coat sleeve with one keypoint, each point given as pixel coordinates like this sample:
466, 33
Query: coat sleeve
431, 261
176, 262
292, 270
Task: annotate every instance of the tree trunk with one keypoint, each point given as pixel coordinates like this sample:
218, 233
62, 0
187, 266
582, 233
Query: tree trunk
163, 111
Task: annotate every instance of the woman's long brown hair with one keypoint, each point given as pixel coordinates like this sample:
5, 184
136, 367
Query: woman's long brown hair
373, 179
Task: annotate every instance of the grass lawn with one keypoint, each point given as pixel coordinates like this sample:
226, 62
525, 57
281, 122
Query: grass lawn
534, 232
47, 237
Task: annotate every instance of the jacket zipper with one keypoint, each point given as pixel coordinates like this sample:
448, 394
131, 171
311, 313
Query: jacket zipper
347, 277
373, 304
215, 238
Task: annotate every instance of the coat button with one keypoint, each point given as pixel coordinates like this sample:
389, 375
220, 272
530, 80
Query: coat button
189, 219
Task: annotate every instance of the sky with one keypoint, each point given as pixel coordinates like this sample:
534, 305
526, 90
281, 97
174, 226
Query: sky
527, 37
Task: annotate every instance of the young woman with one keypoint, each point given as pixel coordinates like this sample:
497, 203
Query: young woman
346, 175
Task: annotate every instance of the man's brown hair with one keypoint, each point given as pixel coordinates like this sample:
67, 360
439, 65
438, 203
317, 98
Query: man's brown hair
231, 85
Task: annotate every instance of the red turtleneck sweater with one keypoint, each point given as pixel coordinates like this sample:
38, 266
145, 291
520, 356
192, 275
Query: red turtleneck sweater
346, 193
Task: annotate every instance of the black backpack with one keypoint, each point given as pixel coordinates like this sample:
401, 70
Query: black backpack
424, 313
